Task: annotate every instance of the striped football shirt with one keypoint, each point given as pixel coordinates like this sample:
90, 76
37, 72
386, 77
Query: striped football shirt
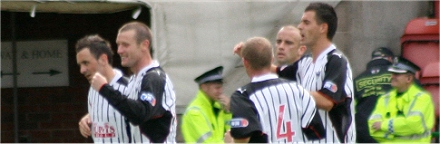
331, 76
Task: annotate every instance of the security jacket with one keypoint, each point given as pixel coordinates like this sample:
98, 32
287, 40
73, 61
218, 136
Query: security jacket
202, 124
405, 118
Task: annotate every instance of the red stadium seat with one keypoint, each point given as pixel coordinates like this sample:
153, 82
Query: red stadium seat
430, 81
421, 53
430, 73
420, 42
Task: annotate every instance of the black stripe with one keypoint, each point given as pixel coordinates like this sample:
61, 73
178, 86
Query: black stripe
268, 111
274, 109
168, 92
306, 108
120, 130
295, 93
141, 136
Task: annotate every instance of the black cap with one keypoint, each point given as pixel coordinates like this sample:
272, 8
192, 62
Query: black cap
211, 76
381, 52
403, 65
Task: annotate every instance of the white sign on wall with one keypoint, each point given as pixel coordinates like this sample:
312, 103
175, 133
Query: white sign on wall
39, 64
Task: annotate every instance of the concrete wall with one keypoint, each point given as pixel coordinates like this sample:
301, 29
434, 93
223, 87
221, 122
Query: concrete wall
366, 25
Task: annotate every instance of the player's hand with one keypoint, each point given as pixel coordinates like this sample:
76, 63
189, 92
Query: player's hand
97, 81
376, 125
84, 126
237, 48
228, 138
224, 101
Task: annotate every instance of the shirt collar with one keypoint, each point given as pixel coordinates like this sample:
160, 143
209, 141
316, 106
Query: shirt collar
409, 93
264, 77
326, 51
118, 75
153, 64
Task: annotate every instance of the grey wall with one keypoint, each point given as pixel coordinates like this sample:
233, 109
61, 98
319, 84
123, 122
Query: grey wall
366, 25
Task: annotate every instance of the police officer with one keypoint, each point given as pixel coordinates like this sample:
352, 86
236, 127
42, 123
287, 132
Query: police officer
205, 118
369, 85
406, 113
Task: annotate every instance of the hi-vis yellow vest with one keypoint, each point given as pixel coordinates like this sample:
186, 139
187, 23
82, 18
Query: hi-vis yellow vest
409, 118
199, 123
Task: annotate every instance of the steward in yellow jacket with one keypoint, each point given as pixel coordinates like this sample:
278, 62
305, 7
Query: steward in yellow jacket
205, 119
406, 113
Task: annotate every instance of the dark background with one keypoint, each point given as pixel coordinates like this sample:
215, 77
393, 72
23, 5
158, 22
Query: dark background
51, 114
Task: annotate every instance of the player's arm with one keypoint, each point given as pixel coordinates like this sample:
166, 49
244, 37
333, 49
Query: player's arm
148, 104
311, 122
322, 101
286, 71
244, 122
332, 91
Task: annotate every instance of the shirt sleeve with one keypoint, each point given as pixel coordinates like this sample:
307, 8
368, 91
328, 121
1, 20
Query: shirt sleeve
378, 114
288, 71
244, 122
148, 104
335, 78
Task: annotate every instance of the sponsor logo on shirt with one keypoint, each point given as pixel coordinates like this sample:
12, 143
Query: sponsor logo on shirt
331, 86
239, 123
103, 130
149, 98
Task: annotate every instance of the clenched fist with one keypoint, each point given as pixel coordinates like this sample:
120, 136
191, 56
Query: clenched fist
237, 48
97, 81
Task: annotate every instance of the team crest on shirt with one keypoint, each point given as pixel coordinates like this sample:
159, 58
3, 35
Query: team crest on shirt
149, 98
331, 86
239, 122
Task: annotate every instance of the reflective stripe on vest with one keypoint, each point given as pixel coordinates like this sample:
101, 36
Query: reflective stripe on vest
204, 137
410, 113
420, 114
414, 136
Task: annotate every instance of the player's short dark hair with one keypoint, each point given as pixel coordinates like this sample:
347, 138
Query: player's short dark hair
97, 46
143, 32
325, 13
258, 51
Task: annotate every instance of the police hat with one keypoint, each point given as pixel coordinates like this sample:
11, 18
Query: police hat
211, 76
403, 65
381, 52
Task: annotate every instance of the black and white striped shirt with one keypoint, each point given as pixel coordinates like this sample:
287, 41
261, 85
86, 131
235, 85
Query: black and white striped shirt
108, 125
331, 76
150, 105
274, 110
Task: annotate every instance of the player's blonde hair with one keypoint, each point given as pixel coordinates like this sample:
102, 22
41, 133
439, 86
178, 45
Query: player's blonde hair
143, 32
258, 51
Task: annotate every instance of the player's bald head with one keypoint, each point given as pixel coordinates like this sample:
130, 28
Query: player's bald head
258, 51
296, 33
